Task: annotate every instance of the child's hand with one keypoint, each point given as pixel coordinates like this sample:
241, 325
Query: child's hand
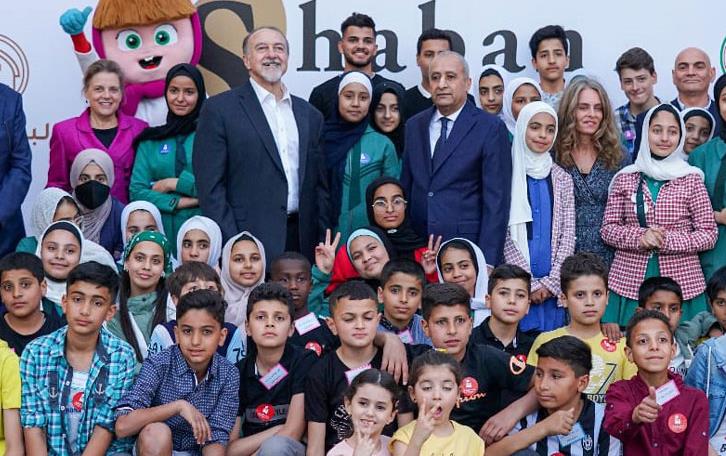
394, 359
424, 424
325, 253
611, 331
648, 409
198, 422
365, 445
428, 259
560, 422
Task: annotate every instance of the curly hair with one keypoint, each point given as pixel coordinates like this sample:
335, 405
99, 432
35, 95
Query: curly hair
606, 138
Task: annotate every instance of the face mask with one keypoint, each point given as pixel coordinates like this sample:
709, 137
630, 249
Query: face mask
92, 194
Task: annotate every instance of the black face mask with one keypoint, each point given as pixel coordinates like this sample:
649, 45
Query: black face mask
92, 194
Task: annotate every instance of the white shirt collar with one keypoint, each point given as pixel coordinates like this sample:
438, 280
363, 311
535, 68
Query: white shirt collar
683, 105
452, 117
423, 91
263, 94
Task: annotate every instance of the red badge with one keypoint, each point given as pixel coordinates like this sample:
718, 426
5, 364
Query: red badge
677, 423
469, 386
516, 365
265, 412
77, 401
608, 346
522, 358
314, 346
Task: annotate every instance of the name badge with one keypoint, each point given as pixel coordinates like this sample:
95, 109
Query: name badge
574, 436
275, 376
406, 337
364, 158
353, 373
666, 393
305, 324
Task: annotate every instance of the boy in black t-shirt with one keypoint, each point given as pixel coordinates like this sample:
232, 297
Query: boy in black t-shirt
292, 270
272, 379
27, 315
354, 318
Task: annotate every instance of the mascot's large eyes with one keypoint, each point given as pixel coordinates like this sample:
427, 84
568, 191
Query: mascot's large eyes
128, 40
164, 35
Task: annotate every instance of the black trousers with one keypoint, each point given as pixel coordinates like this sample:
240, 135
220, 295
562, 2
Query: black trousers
292, 241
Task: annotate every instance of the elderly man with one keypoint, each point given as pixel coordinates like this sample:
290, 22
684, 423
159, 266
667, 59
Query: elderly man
692, 75
257, 157
457, 166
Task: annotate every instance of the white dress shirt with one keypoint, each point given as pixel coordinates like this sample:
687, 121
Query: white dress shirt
435, 126
282, 123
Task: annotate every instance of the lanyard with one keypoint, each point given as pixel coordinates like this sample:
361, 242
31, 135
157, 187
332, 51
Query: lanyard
640, 203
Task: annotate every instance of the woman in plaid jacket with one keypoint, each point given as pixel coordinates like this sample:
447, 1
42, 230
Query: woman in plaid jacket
658, 218
542, 216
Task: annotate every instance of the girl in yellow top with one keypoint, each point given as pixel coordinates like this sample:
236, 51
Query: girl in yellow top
434, 387
11, 434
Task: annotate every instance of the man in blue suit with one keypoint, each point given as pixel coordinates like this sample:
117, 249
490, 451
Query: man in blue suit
457, 165
14, 168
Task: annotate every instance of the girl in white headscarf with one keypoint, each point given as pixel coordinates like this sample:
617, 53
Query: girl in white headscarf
139, 216
542, 215
243, 268
462, 262
658, 218
700, 127
199, 239
91, 177
51, 205
519, 92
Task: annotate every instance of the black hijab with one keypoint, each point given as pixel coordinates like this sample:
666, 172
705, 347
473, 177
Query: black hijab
404, 238
397, 135
339, 136
717, 90
177, 125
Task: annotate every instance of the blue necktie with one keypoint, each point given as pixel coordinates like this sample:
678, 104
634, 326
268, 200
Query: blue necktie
442, 138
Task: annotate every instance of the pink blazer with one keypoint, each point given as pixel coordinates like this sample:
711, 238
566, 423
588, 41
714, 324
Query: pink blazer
71, 136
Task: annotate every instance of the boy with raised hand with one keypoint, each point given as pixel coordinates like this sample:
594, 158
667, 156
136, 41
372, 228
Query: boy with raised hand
28, 315
550, 58
185, 397
272, 379
292, 271
566, 422
188, 277
508, 299
402, 282
655, 413
583, 278
74, 376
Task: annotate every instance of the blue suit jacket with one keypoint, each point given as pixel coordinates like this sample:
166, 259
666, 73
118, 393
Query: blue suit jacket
464, 191
14, 168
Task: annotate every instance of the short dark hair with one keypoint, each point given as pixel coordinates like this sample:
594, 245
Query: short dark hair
548, 32
23, 260
97, 274
355, 290
443, 294
635, 59
582, 264
189, 272
434, 358
716, 284
374, 377
653, 284
645, 315
508, 272
432, 34
270, 291
209, 300
571, 351
403, 266
358, 20
290, 256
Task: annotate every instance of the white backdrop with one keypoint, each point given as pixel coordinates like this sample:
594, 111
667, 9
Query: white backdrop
36, 56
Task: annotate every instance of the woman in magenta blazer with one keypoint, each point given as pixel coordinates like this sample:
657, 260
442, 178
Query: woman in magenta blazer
101, 126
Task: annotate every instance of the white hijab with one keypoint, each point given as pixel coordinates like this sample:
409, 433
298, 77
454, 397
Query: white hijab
512, 87
482, 276
526, 163
704, 112
46, 203
501, 72
139, 206
210, 228
235, 294
672, 167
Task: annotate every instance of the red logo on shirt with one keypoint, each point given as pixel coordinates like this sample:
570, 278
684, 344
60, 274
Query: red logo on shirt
77, 401
522, 358
517, 365
314, 346
265, 412
469, 386
677, 423
608, 346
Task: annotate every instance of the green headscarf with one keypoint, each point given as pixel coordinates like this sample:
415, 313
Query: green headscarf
151, 236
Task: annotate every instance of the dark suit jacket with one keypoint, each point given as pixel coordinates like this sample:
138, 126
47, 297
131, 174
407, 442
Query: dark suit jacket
240, 179
464, 191
14, 168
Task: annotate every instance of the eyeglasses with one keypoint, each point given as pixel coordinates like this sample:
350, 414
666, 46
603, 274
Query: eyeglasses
382, 203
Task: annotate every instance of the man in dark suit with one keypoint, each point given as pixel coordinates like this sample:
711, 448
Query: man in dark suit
692, 76
257, 157
457, 165
14, 168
